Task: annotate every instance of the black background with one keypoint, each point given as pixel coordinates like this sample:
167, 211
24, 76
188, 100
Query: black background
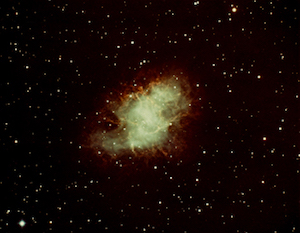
229, 179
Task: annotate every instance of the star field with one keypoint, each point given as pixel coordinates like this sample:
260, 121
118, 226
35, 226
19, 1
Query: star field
236, 165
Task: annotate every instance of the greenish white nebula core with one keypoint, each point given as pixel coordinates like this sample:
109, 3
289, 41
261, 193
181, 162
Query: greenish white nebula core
145, 118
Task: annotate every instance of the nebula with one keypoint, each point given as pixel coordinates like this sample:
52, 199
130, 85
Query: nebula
148, 119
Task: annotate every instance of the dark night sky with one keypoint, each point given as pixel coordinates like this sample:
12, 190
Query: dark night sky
240, 169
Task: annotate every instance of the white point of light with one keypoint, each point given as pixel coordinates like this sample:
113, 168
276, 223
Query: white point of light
22, 223
234, 10
147, 118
